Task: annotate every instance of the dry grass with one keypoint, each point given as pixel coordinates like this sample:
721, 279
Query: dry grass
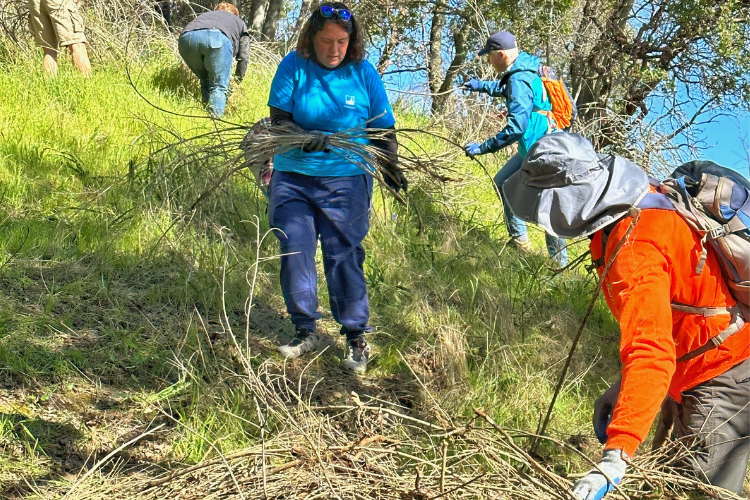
370, 448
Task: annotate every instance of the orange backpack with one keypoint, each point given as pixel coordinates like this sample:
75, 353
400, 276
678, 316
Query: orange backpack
564, 110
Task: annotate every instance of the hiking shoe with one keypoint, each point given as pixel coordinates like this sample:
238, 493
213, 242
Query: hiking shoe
303, 342
357, 354
523, 245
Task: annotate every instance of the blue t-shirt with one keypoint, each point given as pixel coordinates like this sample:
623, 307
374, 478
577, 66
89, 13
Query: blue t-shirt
329, 101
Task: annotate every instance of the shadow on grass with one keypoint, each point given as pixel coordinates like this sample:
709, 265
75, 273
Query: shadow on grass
59, 445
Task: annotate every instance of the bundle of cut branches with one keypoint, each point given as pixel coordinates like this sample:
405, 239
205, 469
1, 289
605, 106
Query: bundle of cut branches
226, 150
353, 145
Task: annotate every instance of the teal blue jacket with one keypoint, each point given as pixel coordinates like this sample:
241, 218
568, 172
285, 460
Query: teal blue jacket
524, 96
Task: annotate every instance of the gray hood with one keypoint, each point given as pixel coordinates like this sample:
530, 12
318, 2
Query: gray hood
568, 189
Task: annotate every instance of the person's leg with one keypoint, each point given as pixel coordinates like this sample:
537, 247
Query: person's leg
292, 214
49, 63
44, 34
218, 63
343, 222
191, 46
81, 58
556, 249
717, 416
69, 31
516, 227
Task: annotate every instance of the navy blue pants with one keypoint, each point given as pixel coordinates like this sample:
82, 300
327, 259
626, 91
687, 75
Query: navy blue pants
336, 209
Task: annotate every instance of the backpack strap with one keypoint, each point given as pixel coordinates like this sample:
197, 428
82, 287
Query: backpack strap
706, 312
735, 326
541, 73
734, 225
655, 200
649, 200
506, 77
680, 199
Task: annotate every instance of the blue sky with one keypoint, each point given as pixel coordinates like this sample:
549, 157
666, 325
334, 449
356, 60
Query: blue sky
727, 139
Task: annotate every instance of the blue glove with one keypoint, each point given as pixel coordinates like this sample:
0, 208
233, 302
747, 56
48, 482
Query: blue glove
473, 85
594, 486
472, 149
603, 408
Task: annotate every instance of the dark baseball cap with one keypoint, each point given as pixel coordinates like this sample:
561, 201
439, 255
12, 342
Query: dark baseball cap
502, 40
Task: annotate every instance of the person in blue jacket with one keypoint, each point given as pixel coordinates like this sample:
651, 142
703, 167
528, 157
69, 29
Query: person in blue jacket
527, 120
327, 86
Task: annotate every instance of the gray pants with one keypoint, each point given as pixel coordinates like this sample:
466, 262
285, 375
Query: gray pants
717, 414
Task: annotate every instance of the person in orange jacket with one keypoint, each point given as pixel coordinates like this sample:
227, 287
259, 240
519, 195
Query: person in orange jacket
666, 311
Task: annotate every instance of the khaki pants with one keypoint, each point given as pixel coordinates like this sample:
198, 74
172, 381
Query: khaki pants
717, 414
56, 23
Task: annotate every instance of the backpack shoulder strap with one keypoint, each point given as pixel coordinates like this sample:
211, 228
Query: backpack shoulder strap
655, 200
718, 195
506, 77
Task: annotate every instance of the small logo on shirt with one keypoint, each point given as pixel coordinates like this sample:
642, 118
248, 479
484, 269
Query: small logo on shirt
349, 101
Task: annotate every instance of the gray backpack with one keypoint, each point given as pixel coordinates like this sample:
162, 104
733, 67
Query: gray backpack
717, 207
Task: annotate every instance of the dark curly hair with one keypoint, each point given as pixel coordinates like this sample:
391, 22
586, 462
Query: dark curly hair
356, 49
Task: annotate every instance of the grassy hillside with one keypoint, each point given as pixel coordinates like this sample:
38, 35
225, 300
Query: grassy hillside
121, 309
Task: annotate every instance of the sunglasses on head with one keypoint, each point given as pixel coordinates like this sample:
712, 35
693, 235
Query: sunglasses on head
328, 12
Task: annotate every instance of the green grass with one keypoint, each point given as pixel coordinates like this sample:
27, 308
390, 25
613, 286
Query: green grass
110, 297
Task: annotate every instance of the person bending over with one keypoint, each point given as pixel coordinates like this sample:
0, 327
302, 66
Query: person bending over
208, 45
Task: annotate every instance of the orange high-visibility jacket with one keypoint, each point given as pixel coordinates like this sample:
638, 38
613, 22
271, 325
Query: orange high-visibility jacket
654, 268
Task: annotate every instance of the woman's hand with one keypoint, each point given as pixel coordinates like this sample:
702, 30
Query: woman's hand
394, 177
317, 142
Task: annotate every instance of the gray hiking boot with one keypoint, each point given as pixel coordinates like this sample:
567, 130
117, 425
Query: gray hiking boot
303, 342
357, 354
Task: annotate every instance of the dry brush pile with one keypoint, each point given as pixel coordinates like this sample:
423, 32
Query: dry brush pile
371, 448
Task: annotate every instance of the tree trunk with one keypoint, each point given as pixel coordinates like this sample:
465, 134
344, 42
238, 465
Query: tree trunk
593, 73
390, 44
459, 58
304, 14
271, 22
435, 56
257, 16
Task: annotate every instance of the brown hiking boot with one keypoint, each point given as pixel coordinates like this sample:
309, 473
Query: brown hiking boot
523, 244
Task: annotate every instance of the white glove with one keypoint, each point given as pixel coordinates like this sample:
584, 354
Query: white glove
595, 485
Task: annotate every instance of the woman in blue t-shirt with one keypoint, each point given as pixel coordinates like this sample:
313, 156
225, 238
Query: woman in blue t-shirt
326, 86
